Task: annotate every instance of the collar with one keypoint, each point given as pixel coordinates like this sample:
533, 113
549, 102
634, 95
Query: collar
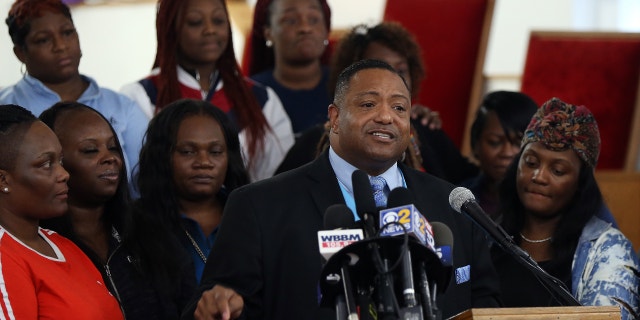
92, 90
344, 170
188, 79
593, 229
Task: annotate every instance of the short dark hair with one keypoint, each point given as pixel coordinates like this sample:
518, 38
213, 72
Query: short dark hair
514, 111
14, 123
390, 34
342, 83
23, 11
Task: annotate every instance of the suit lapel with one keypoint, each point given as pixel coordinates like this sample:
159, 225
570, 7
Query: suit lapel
416, 188
323, 183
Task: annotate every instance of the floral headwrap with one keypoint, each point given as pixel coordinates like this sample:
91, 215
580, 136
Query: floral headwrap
561, 126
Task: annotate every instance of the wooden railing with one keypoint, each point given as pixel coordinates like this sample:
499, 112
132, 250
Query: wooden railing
621, 192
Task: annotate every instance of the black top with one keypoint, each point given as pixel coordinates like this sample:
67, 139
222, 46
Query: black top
520, 287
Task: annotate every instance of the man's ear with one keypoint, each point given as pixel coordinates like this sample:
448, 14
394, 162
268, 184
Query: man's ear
334, 112
20, 53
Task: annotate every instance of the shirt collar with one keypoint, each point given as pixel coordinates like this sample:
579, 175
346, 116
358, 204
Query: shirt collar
344, 170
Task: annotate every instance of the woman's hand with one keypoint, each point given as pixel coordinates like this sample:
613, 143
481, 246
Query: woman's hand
427, 116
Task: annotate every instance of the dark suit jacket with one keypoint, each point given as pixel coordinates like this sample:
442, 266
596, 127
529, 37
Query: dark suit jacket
267, 249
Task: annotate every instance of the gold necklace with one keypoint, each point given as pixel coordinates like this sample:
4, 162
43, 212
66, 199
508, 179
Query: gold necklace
534, 241
196, 246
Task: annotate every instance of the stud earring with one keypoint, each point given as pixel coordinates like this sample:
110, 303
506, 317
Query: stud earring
326, 42
5, 190
269, 43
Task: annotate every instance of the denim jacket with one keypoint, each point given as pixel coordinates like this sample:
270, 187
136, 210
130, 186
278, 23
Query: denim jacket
606, 270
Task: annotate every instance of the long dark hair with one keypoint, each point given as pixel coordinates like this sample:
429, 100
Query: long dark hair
585, 204
158, 194
155, 255
244, 104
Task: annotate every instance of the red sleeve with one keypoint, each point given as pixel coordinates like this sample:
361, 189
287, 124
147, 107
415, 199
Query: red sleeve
18, 292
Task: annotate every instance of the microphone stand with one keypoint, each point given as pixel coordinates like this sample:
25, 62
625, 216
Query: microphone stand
350, 301
550, 282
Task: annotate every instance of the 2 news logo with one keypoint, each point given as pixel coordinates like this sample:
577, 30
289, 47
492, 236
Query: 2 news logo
390, 218
393, 220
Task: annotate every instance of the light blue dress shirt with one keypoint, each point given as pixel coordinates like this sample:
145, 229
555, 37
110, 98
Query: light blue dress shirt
344, 170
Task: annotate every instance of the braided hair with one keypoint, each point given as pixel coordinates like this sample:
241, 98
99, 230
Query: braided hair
244, 104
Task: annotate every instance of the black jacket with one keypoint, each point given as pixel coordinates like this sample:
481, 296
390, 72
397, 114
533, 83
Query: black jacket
267, 248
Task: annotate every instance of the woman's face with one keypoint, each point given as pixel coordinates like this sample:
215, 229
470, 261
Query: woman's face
91, 156
494, 149
52, 49
38, 183
297, 30
547, 180
199, 158
378, 51
203, 32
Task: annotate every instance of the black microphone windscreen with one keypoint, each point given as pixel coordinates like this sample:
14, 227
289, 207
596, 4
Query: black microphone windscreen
338, 216
400, 196
442, 234
363, 193
459, 196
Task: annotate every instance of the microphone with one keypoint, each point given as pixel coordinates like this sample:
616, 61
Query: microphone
403, 218
462, 200
338, 216
365, 205
338, 219
402, 213
444, 249
443, 244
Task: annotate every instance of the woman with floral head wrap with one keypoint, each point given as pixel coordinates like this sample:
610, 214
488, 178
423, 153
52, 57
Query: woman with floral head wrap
550, 203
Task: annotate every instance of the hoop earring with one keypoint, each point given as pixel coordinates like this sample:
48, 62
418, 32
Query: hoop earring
269, 43
23, 69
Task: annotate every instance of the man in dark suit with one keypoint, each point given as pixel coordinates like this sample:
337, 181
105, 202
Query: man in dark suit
265, 262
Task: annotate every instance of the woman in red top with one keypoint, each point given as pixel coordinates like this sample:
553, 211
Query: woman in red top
42, 274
